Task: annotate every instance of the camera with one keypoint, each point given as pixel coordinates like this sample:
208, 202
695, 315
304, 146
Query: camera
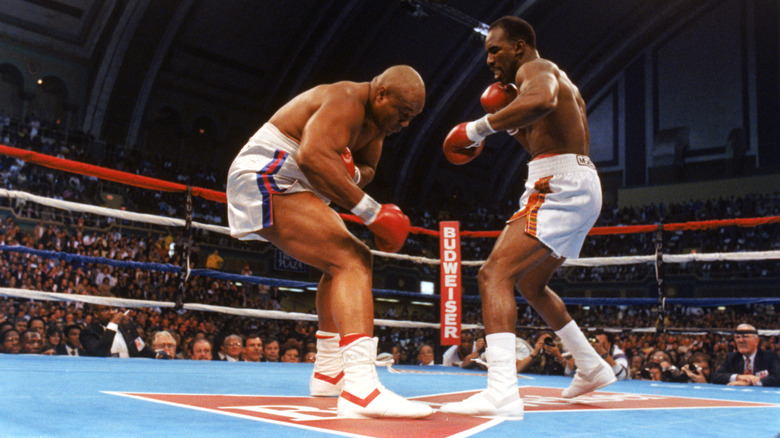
161, 354
693, 369
674, 374
644, 374
549, 342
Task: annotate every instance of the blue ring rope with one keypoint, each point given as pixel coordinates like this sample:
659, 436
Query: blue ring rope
167, 267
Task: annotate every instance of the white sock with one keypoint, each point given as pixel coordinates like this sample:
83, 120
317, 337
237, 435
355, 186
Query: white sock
574, 340
504, 341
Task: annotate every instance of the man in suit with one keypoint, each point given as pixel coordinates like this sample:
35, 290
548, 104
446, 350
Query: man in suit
750, 366
72, 344
99, 337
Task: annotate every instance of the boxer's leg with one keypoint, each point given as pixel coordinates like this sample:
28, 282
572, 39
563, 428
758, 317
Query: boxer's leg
327, 378
310, 231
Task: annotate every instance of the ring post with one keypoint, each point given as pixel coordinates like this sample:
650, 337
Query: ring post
450, 287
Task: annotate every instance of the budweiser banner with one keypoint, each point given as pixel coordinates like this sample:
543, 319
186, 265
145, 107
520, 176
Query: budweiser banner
449, 245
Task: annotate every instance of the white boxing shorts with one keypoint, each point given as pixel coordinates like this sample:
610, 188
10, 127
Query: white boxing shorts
561, 202
265, 167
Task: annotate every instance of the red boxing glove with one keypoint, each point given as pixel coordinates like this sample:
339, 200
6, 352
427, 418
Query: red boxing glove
349, 164
497, 96
390, 228
458, 148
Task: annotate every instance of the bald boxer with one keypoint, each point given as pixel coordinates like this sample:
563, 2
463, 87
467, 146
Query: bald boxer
323, 146
562, 201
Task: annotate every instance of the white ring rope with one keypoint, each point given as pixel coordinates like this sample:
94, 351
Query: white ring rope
294, 316
108, 212
252, 313
584, 262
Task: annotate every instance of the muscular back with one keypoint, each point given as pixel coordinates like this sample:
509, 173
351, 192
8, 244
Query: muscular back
564, 130
349, 97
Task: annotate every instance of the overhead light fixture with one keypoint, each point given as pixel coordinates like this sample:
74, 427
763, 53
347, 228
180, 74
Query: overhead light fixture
422, 303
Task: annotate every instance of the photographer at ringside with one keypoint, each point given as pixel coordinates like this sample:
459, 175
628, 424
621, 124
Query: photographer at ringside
604, 344
546, 357
698, 368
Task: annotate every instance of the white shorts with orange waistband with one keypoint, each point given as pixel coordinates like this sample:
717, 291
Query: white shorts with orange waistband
265, 167
561, 202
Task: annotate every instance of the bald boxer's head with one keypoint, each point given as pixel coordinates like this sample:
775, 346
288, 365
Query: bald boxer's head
396, 96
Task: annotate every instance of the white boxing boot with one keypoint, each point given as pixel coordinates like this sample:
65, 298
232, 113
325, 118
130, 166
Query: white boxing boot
593, 372
584, 383
363, 395
327, 379
501, 398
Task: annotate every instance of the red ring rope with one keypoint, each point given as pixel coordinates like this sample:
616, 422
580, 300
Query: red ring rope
214, 195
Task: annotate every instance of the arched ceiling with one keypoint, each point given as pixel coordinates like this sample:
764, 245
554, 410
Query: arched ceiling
247, 57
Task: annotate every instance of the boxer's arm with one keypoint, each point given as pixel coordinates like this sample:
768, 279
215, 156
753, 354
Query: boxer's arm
366, 159
537, 97
327, 133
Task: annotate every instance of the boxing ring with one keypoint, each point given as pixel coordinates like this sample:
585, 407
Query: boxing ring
62, 396
83, 396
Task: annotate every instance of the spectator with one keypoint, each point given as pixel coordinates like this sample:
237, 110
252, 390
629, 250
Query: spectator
660, 357
164, 345
271, 350
637, 361
32, 342
38, 324
310, 356
253, 348
214, 261
290, 352
698, 368
463, 354
21, 324
425, 355
234, 346
99, 338
72, 344
54, 337
546, 357
650, 371
604, 344
11, 344
201, 350
749, 366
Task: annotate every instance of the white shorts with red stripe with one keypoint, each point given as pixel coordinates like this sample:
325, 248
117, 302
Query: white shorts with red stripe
265, 166
561, 202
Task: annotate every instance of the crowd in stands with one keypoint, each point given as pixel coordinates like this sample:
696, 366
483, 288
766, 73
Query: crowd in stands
35, 327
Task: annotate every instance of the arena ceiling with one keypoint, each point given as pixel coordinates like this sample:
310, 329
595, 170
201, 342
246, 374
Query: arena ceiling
253, 55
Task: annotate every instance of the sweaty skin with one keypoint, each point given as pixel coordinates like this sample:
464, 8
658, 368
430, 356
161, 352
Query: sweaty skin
549, 110
549, 113
325, 121
329, 118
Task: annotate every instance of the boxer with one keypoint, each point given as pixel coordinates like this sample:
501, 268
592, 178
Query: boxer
562, 201
323, 146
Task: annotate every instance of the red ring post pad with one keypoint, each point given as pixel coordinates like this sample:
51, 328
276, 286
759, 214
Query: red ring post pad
449, 246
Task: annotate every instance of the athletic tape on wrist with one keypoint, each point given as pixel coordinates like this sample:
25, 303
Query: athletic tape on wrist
367, 209
479, 129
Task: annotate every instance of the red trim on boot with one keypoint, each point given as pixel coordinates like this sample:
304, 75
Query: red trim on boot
350, 338
362, 402
331, 380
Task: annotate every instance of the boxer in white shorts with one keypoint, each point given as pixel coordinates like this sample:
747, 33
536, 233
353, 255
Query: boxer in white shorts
562, 201
543, 110
265, 167
324, 146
